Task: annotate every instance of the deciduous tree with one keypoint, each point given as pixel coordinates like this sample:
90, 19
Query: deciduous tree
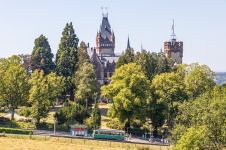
129, 93
85, 83
198, 79
170, 89
207, 111
14, 85
44, 91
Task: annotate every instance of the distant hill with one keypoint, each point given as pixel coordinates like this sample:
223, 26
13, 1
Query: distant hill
220, 77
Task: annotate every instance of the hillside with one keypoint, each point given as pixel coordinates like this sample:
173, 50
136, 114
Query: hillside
220, 78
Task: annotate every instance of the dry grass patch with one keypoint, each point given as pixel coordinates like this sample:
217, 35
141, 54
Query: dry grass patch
50, 143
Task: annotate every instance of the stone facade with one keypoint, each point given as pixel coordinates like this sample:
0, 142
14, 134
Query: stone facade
103, 56
174, 49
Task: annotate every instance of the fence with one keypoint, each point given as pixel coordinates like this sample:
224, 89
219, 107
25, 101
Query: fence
90, 142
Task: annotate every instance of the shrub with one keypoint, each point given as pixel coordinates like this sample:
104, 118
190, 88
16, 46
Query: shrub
3, 120
24, 111
72, 113
15, 131
115, 124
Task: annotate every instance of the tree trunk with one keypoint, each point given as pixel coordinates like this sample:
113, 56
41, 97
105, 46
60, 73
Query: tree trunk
86, 104
155, 131
127, 126
37, 122
12, 113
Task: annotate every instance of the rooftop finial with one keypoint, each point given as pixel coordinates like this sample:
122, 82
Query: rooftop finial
173, 35
106, 8
104, 11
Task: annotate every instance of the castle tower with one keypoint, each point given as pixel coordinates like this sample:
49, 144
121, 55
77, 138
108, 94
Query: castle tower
105, 38
173, 48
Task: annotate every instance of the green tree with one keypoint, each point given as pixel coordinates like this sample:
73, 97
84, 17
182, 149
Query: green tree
129, 93
198, 79
164, 64
66, 57
41, 57
96, 116
14, 84
148, 62
82, 54
170, 89
72, 113
194, 138
127, 57
43, 92
208, 111
85, 83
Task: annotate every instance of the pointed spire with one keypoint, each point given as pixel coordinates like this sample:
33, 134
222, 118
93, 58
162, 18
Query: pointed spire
173, 35
128, 44
141, 47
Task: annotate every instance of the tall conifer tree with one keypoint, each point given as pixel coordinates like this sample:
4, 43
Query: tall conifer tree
66, 57
41, 57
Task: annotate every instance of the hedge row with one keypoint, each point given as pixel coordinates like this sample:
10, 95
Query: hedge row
15, 131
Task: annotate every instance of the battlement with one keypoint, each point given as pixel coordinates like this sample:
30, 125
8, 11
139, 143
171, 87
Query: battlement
173, 46
174, 49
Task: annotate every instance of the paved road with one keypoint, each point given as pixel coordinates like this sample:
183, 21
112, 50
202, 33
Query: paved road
46, 132
66, 134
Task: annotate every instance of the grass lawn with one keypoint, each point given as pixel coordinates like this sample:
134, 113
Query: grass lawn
51, 143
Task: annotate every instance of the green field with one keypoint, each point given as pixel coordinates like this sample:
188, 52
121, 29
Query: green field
17, 142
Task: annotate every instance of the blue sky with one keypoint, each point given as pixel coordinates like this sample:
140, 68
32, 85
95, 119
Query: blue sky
200, 24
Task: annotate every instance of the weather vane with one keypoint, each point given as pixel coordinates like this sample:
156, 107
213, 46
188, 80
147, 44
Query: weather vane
104, 9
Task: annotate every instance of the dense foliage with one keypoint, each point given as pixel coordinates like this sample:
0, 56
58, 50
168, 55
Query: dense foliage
85, 84
66, 58
96, 117
73, 113
14, 85
42, 57
15, 131
128, 89
203, 121
43, 92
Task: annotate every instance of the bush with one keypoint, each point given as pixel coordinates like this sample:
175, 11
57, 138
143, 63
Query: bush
71, 114
7, 123
3, 120
15, 131
115, 124
24, 111
25, 124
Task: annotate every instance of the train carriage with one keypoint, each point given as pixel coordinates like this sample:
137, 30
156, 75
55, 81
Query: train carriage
108, 134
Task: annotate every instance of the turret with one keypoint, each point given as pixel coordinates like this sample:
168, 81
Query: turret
105, 39
173, 48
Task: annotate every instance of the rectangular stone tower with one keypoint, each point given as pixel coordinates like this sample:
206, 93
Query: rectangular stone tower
174, 49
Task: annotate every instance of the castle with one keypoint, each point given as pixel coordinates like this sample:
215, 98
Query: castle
103, 56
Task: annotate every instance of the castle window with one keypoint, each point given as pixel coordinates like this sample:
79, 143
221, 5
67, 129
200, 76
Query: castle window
110, 74
105, 75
